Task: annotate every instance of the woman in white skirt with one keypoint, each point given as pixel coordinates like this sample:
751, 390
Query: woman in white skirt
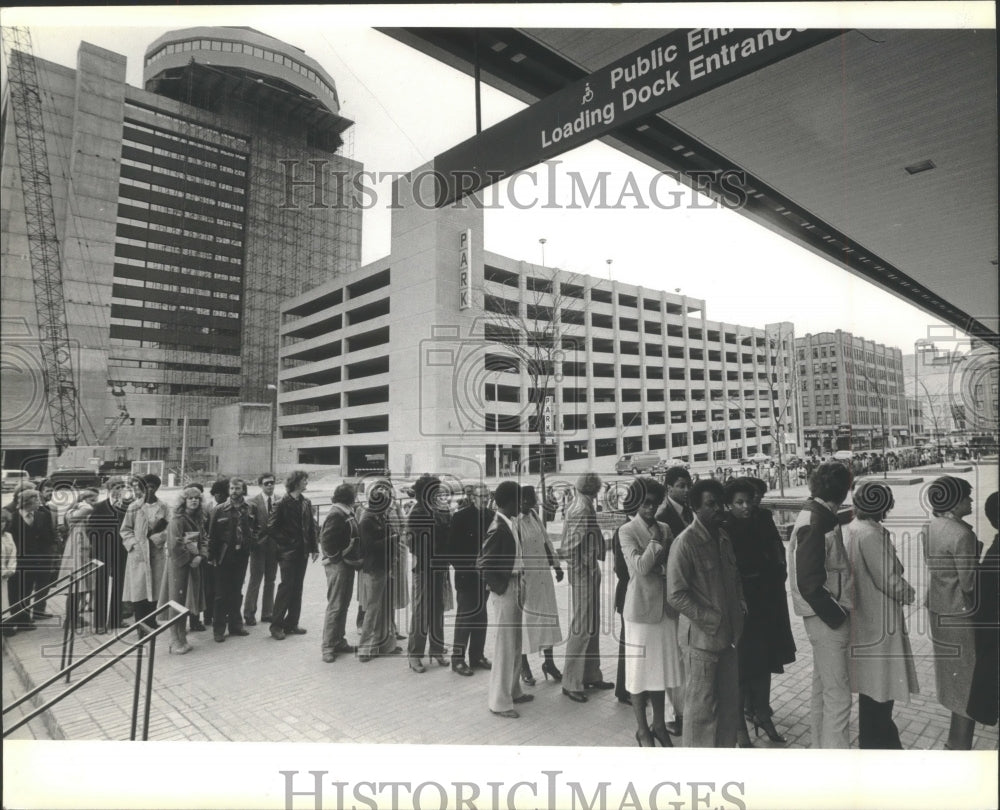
541, 615
652, 656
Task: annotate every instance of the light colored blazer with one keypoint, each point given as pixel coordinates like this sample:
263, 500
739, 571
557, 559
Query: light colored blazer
646, 597
950, 553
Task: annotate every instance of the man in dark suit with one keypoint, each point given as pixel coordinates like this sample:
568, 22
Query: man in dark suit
263, 563
34, 533
675, 511
503, 569
292, 529
465, 540
104, 532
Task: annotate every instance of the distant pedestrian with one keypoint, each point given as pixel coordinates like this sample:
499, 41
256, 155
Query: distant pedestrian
292, 528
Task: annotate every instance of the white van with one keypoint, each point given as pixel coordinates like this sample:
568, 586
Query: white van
14, 478
637, 463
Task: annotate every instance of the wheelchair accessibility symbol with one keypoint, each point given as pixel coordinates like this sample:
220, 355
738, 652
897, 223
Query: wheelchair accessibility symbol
588, 94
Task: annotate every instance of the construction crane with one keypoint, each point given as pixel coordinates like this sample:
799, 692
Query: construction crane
59, 383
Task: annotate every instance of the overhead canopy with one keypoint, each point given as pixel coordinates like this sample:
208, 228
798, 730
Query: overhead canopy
875, 149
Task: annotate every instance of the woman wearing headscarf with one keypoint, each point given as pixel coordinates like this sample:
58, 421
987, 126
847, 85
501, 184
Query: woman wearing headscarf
186, 549
541, 614
655, 664
950, 550
76, 554
379, 547
881, 659
766, 644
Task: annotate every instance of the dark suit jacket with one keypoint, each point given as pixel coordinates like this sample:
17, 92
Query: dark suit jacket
465, 540
104, 532
259, 504
669, 516
496, 560
292, 525
38, 539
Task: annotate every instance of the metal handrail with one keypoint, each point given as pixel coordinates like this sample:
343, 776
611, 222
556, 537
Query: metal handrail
146, 636
69, 624
79, 575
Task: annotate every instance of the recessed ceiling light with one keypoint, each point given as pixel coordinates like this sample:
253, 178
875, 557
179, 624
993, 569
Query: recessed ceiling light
518, 57
922, 166
498, 46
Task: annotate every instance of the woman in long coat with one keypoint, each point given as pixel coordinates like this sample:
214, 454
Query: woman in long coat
541, 614
76, 554
186, 549
766, 644
950, 550
880, 657
144, 534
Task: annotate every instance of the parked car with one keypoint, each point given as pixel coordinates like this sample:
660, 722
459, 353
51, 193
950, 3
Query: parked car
636, 463
12, 479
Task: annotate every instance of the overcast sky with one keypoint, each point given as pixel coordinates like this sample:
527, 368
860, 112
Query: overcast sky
407, 108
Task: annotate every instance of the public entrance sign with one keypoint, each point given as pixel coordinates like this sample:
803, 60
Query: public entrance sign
672, 69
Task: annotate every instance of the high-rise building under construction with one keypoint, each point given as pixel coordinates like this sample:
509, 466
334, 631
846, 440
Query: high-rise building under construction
185, 212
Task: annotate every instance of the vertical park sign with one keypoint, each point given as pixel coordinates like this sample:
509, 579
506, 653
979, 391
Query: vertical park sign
667, 71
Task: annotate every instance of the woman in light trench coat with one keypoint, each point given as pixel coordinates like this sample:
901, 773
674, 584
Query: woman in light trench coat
144, 533
880, 657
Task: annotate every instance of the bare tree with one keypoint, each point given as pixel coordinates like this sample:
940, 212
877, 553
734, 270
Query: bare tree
777, 414
933, 409
538, 332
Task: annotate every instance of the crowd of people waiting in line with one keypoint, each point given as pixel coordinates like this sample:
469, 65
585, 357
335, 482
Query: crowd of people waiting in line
701, 589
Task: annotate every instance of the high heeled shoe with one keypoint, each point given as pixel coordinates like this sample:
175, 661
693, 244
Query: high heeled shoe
768, 726
549, 668
639, 740
526, 676
662, 737
743, 737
